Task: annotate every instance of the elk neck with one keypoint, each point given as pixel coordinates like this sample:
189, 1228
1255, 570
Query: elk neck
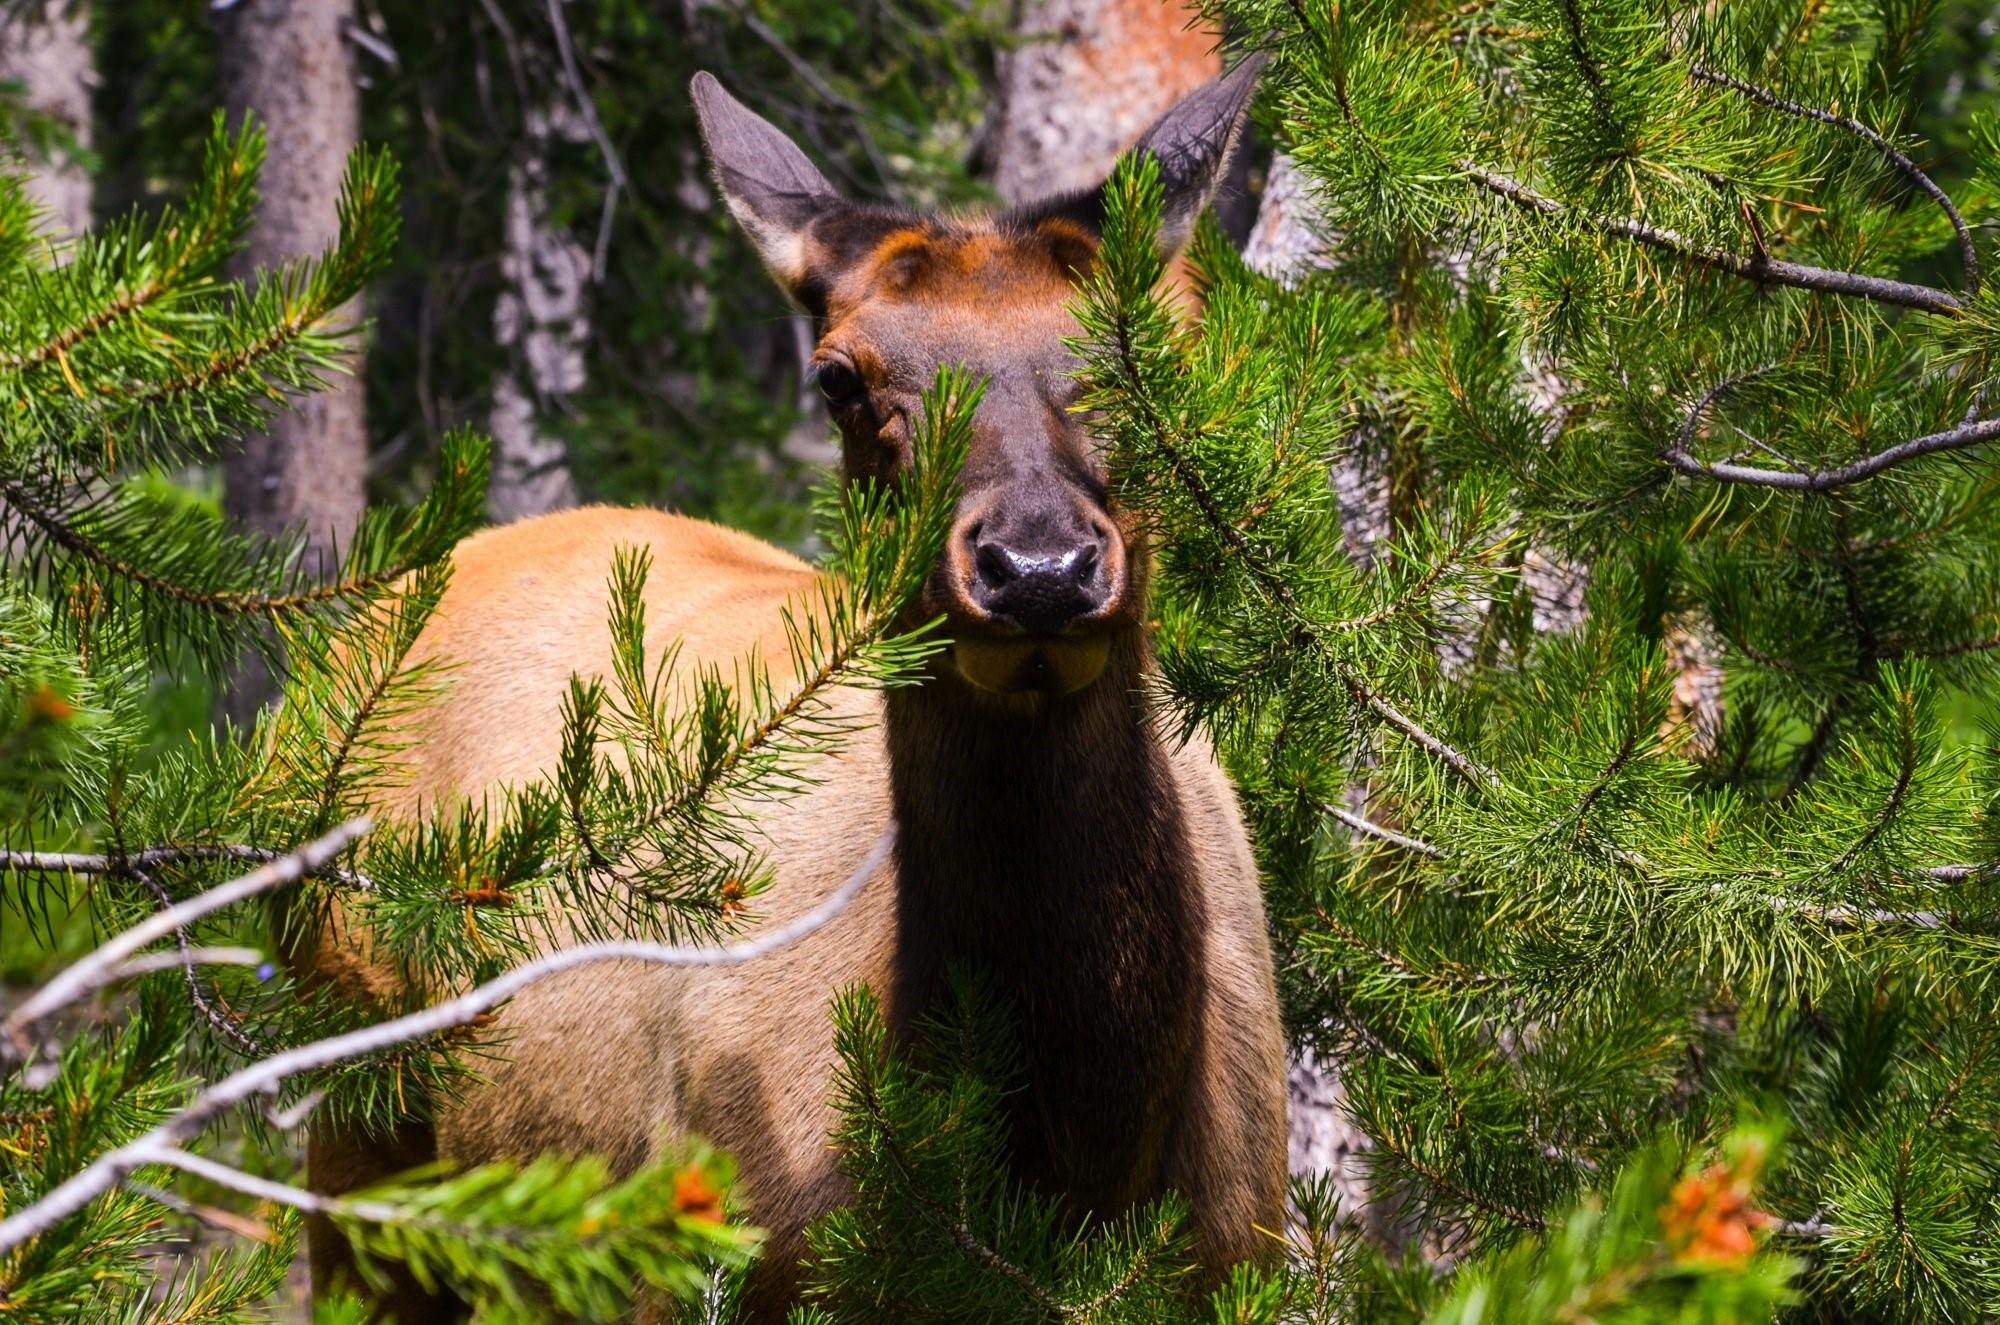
1048, 853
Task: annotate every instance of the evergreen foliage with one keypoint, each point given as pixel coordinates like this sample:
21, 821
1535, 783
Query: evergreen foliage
1644, 291
936, 1232
127, 356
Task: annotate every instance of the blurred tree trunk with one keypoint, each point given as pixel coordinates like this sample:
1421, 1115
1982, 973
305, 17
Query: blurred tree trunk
46, 48
541, 322
288, 63
1088, 77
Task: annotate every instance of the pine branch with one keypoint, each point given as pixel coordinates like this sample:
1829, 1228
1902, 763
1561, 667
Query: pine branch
266, 1076
1837, 476
1764, 271
1968, 254
101, 966
189, 243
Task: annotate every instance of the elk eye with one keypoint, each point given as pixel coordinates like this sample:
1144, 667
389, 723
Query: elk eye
841, 385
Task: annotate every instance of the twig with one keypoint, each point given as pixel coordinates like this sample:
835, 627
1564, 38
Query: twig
76, 862
101, 966
1824, 280
612, 162
1370, 828
265, 1077
1765, 96
185, 958
190, 956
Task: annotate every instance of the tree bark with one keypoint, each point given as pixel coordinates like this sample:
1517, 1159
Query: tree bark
1087, 79
288, 63
47, 50
541, 322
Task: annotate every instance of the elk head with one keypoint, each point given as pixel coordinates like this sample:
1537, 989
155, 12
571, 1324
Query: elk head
1042, 574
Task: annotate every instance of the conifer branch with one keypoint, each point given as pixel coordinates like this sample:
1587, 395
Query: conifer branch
230, 174
268, 1075
1896, 157
1438, 1178
101, 966
152, 857
230, 602
1822, 280
1838, 476
1267, 577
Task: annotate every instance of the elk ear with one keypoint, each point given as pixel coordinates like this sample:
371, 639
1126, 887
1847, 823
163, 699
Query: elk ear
1193, 142
772, 189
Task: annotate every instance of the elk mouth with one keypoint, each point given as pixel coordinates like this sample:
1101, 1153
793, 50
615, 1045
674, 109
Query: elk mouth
1032, 664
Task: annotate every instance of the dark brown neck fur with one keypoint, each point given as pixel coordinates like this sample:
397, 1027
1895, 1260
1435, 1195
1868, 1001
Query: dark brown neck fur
1049, 854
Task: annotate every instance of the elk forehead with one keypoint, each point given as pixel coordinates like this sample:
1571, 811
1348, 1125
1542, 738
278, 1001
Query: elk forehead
992, 297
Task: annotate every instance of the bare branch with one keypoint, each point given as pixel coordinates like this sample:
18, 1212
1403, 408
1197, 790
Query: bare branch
161, 1145
1895, 156
1369, 828
1681, 455
190, 956
1824, 280
101, 966
78, 862
587, 107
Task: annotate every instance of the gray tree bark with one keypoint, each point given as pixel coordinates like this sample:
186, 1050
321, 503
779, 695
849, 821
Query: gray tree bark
47, 50
540, 322
288, 63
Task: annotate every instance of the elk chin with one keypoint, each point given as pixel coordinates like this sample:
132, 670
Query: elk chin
1022, 667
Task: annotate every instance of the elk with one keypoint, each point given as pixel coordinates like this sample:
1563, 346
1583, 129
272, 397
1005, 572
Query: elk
1097, 873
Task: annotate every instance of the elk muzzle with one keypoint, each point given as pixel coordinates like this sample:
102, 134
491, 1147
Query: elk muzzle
1036, 586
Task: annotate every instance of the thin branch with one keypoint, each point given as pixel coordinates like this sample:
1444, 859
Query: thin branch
77, 862
1368, 827
101, 966
265, 1077
1840, 476
190, 956
613, 164
224, 1024
1824, 280
1895, 156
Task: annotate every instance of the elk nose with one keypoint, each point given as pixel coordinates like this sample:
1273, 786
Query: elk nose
1040, 591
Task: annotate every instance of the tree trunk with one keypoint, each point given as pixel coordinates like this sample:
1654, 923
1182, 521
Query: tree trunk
288, 63
1087, 79
47, 50
541, 322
